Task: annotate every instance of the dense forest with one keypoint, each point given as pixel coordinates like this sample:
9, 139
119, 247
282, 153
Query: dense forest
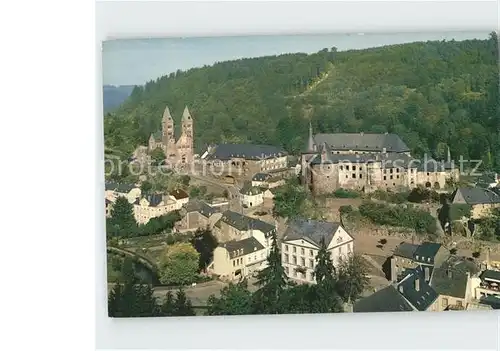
433, 94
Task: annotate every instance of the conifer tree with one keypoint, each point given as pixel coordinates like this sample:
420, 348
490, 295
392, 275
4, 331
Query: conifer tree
182, 306
167, 308
324, 297
272, 282
122, 217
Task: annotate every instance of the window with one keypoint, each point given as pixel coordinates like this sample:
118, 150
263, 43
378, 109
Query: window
353, 168
286, 258
361, 167
354, 175
311, 253
385, 177
391, 170
397, 176
346, 168
311, 263
303, 262
397, 170
294, 249
341, 168
294, 259
286, 248
445, 302
459, 303
360, 176
234, 263
302, 251
391, 176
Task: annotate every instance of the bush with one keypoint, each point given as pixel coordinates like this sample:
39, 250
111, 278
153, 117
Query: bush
383, 241
476, 254
346, 194
457, 211
420, 194
453, 251
345, 209
389, 196
420, 221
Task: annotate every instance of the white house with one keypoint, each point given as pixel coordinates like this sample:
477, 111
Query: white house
251, 196
302, 241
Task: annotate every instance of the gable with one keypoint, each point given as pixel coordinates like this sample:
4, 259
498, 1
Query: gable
340, 237
302, 242
458, 198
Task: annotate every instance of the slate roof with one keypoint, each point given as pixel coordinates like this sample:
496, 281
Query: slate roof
422, 298
387, 160
119, 188
476, 196
492, 301
248, 189
490, 274
246, 151
311, 230
425, 251
386, 300
405, 250
179, 194
261, 177
154, 199
242, 247
199, 206
451, 278
244, 223
362, 142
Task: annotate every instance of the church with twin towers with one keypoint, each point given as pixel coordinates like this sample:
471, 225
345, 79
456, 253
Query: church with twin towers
176, 150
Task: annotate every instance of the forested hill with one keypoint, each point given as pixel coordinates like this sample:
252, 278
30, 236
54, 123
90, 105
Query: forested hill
433, 94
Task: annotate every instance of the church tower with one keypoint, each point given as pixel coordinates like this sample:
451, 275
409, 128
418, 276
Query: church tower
168, 136
185, 145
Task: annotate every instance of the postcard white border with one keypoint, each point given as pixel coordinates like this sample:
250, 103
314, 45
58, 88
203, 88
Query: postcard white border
471, 330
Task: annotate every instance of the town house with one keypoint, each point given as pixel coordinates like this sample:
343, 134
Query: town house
197, 214
302, 241
238, 259
482, 201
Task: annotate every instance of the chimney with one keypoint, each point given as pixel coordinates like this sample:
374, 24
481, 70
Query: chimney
448, 273
362, 133
426, 273
417, 284
401, 289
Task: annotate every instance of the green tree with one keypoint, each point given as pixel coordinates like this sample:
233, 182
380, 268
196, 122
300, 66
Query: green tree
178, 264
182, 305
235, 299
205, 243
352, 277
157, 156
289, 201
146, 188
122, 219
272, 281
131, 298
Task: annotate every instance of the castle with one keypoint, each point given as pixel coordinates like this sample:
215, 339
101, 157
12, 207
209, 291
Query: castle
367, 162
181, 150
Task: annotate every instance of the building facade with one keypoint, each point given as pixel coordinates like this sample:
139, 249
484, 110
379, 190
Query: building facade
197, 214
482, 201
157, 205
238, 259
244, 160
367, 162
302, 241
176, 151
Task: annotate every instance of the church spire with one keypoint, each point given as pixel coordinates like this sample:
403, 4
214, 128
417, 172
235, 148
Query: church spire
166, 113
186, 114
311, 147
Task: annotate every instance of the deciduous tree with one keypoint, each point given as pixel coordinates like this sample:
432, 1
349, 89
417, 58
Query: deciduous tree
178, 264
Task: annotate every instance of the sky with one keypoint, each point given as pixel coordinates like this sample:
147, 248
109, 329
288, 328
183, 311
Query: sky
136, 61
